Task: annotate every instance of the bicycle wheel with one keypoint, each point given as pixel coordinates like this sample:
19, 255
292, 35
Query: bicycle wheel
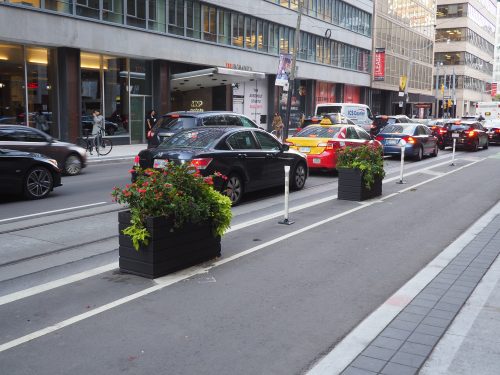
82, 142
105, 146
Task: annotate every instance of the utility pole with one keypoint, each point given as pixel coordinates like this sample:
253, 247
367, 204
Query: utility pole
291, 80
436, 115
408, 76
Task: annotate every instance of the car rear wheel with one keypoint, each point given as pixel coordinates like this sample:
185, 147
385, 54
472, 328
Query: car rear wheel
486, 145
475, 146
435, 152
72, 165
420, 154
299, 176
38, 183
234, 188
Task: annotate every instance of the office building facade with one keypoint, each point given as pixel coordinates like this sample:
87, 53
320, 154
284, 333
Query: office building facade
464, 54
69, 57
404, 31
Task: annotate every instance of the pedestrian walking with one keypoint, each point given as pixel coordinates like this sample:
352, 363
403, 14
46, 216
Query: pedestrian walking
150, 122
278, 126
98, 122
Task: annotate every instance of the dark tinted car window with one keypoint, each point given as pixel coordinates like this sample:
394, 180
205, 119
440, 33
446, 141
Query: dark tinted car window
233, 120
456, 127
247, 123
8, 135
328, 109
399, 129
176, 123
242, 141
32, 136
200, 138
267, 142
351, 133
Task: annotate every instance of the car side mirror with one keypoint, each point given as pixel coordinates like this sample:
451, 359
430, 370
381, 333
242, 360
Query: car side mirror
285, 147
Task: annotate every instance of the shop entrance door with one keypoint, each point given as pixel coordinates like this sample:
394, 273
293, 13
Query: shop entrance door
138, 105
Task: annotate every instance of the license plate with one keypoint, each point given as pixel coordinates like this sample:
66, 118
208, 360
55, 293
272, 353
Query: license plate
160, 163
316, 161
304, 149
391, 141
455, 135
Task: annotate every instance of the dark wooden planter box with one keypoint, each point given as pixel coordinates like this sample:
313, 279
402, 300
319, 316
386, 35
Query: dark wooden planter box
351, 186
167, 251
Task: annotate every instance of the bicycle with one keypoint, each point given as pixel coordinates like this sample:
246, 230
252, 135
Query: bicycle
102, 145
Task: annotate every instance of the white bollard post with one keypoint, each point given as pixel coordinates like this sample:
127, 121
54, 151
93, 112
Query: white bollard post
453, 152
287, 193
403, 144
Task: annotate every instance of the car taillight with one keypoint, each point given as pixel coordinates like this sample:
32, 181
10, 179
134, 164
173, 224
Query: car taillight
379, 138
330, 145
136, 161
470, 133
409, 139
442, 131
497, 130
201, 163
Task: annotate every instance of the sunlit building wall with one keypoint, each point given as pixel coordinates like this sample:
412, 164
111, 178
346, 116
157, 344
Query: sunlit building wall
464, 54
405, 28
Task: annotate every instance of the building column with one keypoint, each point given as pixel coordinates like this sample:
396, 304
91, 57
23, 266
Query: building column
69, 93
161, 87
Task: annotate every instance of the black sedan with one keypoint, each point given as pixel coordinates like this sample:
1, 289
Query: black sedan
469, 134
29, 174
70, 158
250, 158
416, 139
493, 129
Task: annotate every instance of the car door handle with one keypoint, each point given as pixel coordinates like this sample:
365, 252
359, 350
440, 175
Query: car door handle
242, 156
270, 156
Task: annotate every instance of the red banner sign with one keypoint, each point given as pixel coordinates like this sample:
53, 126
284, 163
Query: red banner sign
379, 69
493, 89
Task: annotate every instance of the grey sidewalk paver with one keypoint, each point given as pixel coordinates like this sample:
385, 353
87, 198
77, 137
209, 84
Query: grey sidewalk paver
406, 343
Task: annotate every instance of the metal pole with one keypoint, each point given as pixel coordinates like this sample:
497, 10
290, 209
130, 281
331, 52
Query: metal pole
444, 89
287, 194
291, 80
403, 144
436, 115
408, 77
454, 95
453, 152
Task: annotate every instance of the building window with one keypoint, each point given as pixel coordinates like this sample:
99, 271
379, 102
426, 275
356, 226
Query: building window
224, 29
176, 16
87, 8
209, 16
193, 19
59, 5
238, 29
156, 15
136, 13
112, 11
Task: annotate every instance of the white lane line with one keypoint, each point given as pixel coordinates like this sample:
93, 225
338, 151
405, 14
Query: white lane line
193, 271
56, 283
53, 211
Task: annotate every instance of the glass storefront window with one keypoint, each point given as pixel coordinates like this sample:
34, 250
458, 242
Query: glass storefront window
90, 68
40, 87
116, 106
140, 77
12, 87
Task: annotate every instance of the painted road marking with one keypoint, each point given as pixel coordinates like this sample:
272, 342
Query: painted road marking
53, 211
358, 338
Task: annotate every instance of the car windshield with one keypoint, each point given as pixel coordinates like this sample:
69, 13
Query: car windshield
457, 127
319, 132
197, 139
176, 123
399, 129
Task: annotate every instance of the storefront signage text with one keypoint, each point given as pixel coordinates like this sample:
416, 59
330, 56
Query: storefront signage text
196, 106
239, 67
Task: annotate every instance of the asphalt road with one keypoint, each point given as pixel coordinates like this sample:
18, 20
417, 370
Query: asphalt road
278, 299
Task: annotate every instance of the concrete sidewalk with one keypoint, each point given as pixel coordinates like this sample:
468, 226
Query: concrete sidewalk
452, 326
119, 152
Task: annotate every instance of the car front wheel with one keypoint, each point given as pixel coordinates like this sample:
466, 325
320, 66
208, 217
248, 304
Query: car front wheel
72, 165
38, 183
299, 176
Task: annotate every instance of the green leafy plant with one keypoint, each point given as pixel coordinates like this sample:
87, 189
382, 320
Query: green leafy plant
367, 158
177, 192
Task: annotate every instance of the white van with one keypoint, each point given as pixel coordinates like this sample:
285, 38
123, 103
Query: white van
359, 113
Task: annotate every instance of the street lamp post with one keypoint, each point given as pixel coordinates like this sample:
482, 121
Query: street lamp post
438, 64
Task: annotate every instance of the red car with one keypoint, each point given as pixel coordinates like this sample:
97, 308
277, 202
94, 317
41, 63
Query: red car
320, 143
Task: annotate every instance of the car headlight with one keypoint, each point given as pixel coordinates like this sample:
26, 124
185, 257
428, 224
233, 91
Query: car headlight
53, 162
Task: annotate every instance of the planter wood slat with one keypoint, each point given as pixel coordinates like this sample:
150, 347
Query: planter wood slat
168, 250
352, 187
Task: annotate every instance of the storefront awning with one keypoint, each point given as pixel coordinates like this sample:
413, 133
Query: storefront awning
211, 77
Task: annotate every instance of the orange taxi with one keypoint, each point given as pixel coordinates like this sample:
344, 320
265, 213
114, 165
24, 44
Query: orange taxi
320, 143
